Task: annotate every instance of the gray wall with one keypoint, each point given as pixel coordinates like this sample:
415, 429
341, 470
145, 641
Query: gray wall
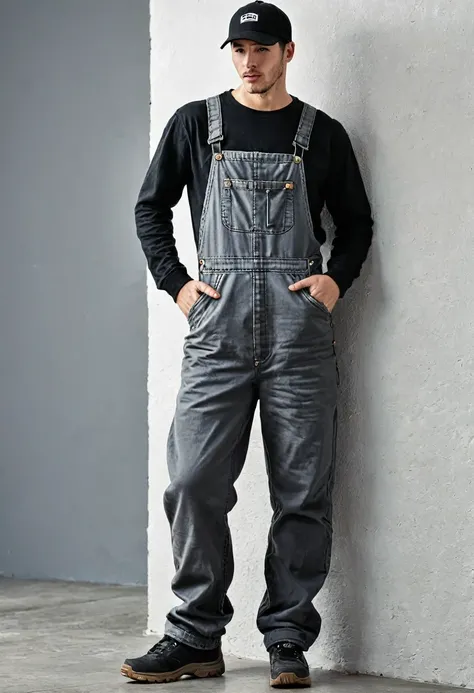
74, 147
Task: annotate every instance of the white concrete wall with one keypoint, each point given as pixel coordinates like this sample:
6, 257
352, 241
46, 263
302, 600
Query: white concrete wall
399, 600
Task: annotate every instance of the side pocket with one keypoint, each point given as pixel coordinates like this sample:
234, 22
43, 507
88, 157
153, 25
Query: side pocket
194, 306
199, 307
314, 302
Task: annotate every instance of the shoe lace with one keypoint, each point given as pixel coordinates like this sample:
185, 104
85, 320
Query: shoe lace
163, 646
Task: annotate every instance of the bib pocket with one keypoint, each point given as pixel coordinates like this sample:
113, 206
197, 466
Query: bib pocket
258, 206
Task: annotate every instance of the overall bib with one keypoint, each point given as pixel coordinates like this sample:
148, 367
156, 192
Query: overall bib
258, 342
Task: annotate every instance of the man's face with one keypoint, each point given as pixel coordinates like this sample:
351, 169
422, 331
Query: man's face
259, 67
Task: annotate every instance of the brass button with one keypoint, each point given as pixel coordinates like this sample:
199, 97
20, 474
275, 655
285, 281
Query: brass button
218, 157
297, 160
289, 186
227, 183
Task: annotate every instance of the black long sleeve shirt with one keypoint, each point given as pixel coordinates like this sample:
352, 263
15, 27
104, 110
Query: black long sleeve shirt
183, 159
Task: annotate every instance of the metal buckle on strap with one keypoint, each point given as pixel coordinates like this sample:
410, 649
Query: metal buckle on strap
298, 158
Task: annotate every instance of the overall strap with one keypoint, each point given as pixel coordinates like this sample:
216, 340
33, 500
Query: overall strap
305, 128
214, 118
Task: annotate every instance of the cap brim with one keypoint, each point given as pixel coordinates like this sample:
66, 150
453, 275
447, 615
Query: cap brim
257, 36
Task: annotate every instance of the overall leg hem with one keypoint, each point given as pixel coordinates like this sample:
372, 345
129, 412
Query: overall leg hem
286, 635
196, 641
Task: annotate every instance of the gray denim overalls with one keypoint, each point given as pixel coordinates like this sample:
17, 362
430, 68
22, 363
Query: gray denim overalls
259, 341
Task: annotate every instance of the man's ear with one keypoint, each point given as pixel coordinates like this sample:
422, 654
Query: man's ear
290, 51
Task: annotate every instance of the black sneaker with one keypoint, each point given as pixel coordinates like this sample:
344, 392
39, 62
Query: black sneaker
168, 660
288, 666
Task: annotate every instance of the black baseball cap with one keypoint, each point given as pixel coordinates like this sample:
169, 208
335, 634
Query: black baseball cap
261, 22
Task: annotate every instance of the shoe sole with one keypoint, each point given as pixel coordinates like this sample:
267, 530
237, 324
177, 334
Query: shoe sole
201, 671
290, 679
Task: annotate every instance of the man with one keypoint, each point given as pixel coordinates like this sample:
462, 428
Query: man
259, 165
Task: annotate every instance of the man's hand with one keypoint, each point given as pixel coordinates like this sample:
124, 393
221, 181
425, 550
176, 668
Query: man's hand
190, 293
321, 287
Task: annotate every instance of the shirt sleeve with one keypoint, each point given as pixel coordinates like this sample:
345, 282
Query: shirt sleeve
347, 202
162, 189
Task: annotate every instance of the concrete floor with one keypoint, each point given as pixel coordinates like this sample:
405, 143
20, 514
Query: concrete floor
58, 637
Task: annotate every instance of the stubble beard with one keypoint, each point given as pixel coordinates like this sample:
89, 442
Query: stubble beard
263, 90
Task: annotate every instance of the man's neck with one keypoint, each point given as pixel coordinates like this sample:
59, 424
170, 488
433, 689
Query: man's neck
272, 100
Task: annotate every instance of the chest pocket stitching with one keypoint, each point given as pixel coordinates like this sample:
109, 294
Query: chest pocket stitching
255, 201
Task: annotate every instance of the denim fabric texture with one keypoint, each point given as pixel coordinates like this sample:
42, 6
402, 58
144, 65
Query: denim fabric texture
261, 343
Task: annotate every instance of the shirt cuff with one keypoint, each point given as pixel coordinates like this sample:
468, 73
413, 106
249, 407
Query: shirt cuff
174, 282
